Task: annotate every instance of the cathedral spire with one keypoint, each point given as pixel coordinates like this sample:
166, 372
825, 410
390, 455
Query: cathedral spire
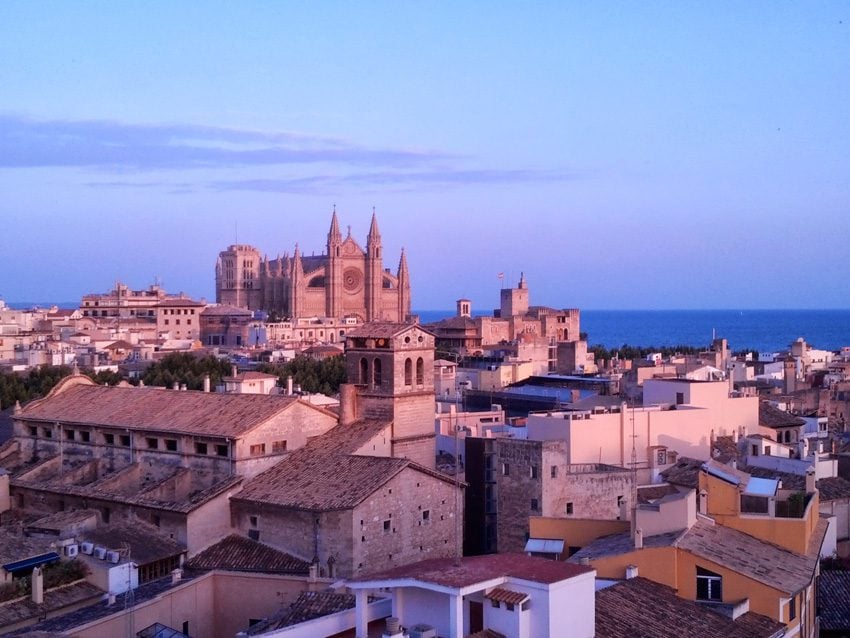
334, 236
402, 266
374, 233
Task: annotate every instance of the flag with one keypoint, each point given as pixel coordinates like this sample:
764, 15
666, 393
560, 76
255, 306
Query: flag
501, 276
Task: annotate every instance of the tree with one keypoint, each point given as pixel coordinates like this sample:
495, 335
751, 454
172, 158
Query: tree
324, 375
186, 368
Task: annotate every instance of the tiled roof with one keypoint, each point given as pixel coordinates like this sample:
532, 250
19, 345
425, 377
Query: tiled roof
725, 449
640, 608
650, 493
762, 561
225, 310
15, 547
308, 605
477, 569
378, 330
182, 302
622, 543
237, 553
772, 417
789, 481
320, 482
250, 375
834, 600
346, 439
833, 488
503, 595
185, 412
685, 472
144, 542
54, 600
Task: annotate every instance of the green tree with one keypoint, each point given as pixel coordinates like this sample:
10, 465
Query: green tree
182, 367
323, 376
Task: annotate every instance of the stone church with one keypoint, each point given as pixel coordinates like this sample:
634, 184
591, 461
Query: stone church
346, 282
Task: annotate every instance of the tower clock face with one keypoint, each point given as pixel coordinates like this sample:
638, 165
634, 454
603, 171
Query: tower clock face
352, 279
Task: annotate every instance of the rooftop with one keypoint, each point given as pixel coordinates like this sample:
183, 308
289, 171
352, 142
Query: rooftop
143, 543
476, 569
833, 594
237, 553
772, 417
622, 612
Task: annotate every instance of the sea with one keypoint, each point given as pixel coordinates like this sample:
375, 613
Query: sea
759, 330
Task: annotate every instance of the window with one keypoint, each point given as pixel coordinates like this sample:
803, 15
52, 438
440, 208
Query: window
420, 371
495, 603
364, 370
426, 516
33, 430
408, 372
506, 469
709, 585
387, 527
254, 534
792, 608
69, 435
376, 372
680, 398
125, 440
47, 433
253, 520
152, 443
258, 450
509, 606
533, 471
85, 436
200, 448
221, 450
156, 520
554, 471
171, 445
534, 505
278, 447
569, 509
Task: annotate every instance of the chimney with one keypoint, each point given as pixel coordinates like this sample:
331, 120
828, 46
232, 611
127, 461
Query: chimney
638, 538
233, 370
176, 386
703, 503
811, 476
314, 572
584, 561
347, 403
110, 599
176, 575
289, 386
37, 586
183, 387
631, 572
141, 383
206, 383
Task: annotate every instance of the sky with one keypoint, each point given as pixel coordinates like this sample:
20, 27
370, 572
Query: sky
623, 155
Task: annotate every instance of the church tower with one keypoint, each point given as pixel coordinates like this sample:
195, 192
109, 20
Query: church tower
333, 271
392, 365
297, 285
403, 288
374, 272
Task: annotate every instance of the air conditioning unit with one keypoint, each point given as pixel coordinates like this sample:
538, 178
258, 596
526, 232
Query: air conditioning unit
112, 556
87, 548
100, 552
422, 631
72, 550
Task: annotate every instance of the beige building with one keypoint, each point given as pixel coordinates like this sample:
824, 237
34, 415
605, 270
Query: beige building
346, 281
179, 318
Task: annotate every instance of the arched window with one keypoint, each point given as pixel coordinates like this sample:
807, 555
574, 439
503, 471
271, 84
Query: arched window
408, 372
364, 370
376, 372
420, 371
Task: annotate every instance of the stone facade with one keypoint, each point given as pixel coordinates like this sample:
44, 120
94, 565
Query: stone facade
518, 478
346, 281
410, 518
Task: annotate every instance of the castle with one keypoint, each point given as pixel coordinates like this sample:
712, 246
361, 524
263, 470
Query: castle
345, 282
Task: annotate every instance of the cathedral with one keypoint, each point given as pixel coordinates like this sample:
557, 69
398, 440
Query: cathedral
346, 282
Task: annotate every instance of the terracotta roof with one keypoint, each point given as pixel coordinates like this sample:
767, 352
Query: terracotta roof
379, 329
650, 493
622, 543
640, 608
187, 412
318, 482
770, 564
225, 310
685, 472
144, 542
15, 547
237, 553
54, 600
477, 569
724, 449
346, 439
503, 595
833, 488
772, 417
833, 597
248, 376
789, 481
308, 605
172, 303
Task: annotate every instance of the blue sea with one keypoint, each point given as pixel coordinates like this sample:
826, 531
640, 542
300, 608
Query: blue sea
761, 330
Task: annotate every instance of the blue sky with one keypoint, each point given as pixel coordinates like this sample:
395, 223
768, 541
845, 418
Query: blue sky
623, 155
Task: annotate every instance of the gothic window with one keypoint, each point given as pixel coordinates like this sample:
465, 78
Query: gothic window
376, 372
364, 370
420, 371
408, 372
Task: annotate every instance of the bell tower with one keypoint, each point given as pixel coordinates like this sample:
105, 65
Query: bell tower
333, 271
392, 365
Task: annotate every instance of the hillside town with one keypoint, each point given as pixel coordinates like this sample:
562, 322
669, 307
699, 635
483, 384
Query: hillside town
333, 466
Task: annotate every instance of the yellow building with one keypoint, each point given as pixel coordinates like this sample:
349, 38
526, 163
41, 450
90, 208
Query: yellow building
748, 544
